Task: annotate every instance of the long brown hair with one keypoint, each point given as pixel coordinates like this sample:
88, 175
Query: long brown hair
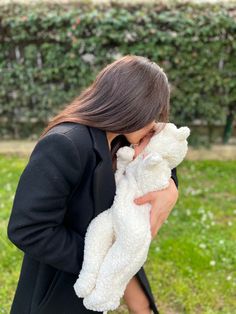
125, 96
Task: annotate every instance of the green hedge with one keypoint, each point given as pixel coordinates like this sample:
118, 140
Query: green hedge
49, 53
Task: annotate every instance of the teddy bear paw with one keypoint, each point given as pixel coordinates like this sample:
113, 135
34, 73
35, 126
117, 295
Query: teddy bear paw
125, 153
84, 284
101, 302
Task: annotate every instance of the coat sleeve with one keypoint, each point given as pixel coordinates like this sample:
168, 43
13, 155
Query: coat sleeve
36, 221
174, 176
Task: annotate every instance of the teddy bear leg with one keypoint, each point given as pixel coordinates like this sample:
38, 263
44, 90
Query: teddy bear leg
102, 297
98, 240
118, 267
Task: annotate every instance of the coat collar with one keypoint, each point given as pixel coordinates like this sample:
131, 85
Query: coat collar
103, 186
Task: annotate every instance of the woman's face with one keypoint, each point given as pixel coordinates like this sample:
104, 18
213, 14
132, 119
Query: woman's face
136, 136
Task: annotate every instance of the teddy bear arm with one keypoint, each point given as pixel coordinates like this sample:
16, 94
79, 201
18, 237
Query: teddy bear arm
119, 175
124, 157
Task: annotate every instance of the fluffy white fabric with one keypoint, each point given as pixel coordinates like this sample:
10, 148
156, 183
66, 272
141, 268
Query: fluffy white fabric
117, 240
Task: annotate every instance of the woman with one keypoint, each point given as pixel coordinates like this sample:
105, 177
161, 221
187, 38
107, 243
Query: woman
69, 180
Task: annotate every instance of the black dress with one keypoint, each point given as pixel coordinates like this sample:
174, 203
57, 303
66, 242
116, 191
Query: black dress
67, 181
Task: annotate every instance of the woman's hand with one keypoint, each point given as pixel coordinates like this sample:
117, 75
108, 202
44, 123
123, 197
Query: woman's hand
162, 201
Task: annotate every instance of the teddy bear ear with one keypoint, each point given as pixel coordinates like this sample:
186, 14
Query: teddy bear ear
183, 133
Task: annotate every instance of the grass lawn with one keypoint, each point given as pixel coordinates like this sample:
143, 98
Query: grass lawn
192, 261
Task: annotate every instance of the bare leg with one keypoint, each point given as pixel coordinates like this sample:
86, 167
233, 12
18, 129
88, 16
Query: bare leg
136, 299
98, 240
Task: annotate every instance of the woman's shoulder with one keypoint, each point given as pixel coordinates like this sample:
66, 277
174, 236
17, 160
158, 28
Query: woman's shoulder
76, 133
68, 127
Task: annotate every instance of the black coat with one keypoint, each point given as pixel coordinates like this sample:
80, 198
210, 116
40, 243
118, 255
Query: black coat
67, 182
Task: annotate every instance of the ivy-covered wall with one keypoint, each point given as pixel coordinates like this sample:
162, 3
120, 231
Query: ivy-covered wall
49, 53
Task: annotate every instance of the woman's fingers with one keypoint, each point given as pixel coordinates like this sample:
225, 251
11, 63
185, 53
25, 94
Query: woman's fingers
147, 198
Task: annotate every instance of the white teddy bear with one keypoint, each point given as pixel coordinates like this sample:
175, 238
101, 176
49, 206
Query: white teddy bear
117, 240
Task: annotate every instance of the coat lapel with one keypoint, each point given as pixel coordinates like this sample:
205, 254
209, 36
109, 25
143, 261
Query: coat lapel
103, 187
